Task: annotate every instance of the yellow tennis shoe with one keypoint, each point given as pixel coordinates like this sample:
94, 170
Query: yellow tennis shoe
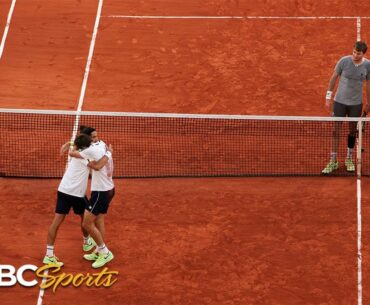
52, 260
330, 167
91, 257
103, 259
89, 245
349, 165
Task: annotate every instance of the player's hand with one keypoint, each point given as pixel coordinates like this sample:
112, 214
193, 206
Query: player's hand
65, 147
328, 97
110, 148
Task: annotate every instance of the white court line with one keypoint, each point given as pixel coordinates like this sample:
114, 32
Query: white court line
359, 244
359, 214
2, 45
42, 290
87, 69
358, 28
80, 102
234, 17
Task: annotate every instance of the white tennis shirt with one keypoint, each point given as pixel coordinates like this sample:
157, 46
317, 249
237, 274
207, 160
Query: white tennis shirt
101, 180
75, 178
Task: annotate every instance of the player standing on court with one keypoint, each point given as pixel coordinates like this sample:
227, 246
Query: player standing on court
352, 71
71, 194
102, 193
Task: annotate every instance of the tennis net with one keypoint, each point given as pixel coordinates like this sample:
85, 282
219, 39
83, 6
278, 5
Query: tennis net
178, 145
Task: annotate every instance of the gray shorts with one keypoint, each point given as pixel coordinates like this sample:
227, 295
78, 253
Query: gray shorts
341, 110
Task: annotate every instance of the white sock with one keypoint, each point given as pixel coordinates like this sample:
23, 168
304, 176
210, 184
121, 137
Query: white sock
333, 156
349, 152
103, 249
49, 250
86, 239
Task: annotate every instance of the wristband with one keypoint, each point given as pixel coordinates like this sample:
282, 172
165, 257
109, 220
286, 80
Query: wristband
329, 94
108, 154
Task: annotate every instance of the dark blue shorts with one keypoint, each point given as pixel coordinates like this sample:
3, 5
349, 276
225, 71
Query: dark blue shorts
65, 202
99, 202
341, 110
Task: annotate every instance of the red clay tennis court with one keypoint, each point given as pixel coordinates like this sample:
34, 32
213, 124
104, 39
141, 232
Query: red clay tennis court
225, 240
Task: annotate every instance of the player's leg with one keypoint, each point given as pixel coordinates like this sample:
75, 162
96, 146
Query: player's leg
351, 141
88, 224
50, 257
54, 227
101, 255
98, 205
88, 242
100, 224
108, 197
100, 218
339, 110
354, 112
62, 208
79, 206
99, 221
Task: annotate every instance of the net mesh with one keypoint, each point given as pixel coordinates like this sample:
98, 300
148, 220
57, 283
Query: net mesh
177, 145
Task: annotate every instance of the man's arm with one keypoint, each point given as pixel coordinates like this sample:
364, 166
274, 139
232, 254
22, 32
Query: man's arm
97, 165
65, 147
75, 154
329, 93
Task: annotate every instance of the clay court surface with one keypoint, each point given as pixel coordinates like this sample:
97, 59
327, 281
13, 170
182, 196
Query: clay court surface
255, 241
